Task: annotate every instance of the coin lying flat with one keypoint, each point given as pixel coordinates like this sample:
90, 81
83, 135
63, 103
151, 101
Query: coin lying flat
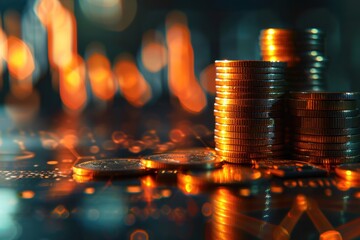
120, 167
182, 161
350, 171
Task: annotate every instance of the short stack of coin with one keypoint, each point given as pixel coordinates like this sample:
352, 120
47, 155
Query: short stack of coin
303, 50
325, 126
249, 107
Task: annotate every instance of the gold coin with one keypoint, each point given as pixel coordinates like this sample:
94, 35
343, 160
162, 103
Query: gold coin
249, 63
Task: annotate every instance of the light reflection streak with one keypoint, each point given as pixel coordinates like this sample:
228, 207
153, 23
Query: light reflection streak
182, 81
72, 84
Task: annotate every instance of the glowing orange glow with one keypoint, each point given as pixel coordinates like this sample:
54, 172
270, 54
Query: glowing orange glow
154, 53
207, 78
52, 162
47, 9
72, 84
132, 83
100, 75
133, 189
166, 193
20, 60
27, 194
69, 140
61, 26
148, 182
89, 190
182, 81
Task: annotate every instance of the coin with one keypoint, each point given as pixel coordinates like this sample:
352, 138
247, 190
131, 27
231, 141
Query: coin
324, 114
239, 128
304, 53
228, 175
248, 121
249, 83
249, 89
249, 106
249, 70
248, 63
327, 146
120, 167
349, 172
251, 142
250, 114
237, 160
249, 155
323, 104
327, 153
247, 102
326, 139
326, 95
248, 135
242, 76
181, 161
312, 122
249, 148
236, 95
328, 132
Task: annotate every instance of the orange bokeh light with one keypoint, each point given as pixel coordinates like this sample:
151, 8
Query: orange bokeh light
154, 52
101, 77
19, 58
182, 81
72, 84
61, 26
132, 83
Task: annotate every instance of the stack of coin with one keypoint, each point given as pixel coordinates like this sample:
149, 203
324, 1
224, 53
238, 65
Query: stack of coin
303, 50
325, 126
249, 107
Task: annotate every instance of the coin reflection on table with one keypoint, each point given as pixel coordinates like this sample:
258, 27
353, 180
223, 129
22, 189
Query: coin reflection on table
232, 221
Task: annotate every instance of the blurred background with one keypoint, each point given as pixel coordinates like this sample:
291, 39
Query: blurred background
106, 56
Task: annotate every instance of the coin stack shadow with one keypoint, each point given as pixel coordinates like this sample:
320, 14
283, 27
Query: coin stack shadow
325, 127
304, 52
249, 109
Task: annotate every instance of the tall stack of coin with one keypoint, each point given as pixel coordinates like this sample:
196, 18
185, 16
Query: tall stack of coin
249, 107
325, 126
303, 50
